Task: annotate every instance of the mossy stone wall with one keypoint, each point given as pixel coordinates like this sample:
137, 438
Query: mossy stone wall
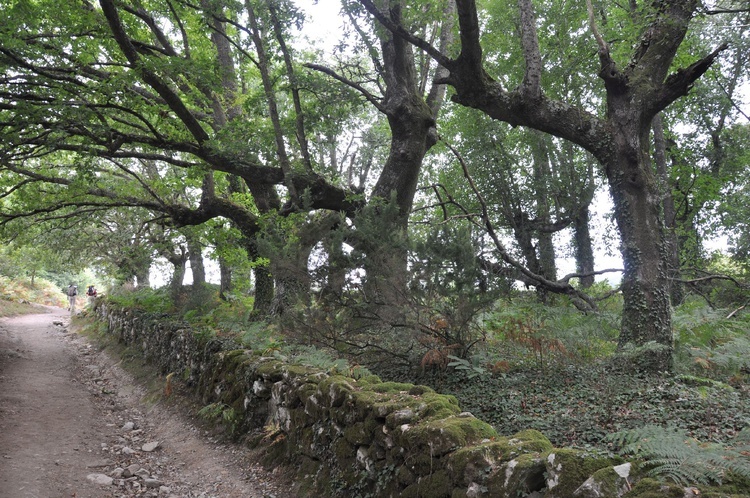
348, 437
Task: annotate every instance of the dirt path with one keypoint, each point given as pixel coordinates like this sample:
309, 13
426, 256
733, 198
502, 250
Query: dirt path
72, 424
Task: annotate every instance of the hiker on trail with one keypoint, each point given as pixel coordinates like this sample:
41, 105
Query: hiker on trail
91, 293
72, 293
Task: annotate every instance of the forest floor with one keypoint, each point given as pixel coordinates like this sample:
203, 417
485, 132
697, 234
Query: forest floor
73, 423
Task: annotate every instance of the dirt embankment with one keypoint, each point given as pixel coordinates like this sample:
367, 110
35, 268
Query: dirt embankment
73, 424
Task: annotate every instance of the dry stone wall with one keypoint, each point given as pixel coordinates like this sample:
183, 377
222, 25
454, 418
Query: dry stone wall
362, 437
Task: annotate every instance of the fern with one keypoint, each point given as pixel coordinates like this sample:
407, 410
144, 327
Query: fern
317, 358
732, 355
472, 370
698, 325
671, 453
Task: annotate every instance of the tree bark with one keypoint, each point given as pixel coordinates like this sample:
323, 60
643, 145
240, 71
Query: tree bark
413, 133
178, 261
142, 275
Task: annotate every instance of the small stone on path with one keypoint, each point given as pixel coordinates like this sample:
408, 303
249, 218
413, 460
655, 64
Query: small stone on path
148, 447
100, 479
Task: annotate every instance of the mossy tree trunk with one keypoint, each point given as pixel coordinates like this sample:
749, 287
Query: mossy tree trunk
635, 192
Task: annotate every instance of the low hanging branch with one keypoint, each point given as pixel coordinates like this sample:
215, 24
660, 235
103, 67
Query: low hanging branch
694, 284
581, 300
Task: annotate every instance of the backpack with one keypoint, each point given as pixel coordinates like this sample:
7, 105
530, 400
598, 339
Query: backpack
72, 291
91, 291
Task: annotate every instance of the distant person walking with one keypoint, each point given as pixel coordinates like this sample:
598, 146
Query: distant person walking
91, 293
72, 293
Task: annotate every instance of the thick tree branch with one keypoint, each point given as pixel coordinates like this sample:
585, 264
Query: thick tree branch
678, 84
397, 29
570, 276
150, 78
532, 77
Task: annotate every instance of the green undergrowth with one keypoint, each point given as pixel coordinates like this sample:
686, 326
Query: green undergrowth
579, 406
550, 368
147, 300
547, 368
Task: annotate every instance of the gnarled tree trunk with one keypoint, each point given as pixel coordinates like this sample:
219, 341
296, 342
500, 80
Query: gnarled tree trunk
619, 140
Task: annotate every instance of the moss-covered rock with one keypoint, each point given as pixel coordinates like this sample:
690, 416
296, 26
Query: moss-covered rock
609, 482
270, 369
438, 405
290, 373
364, 436
405, 476
486, 462
401, 416
567, 469
305, 391
366, 403
476, 462
361, 432
344, 452
369, 380
531, 440
436, 485
418, 390
651, 488
335, 389
392, 387
440, 436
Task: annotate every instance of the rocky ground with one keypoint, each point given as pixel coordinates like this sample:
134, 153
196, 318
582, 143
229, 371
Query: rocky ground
73, 423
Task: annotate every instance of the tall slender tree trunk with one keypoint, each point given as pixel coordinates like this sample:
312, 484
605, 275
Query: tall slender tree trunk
225, 278
584, 251
523, 232
335, 271
178, 259
676, 289
542, 174
195, 253
142, 275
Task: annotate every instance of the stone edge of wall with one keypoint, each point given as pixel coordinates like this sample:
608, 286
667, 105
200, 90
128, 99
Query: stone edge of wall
347, 437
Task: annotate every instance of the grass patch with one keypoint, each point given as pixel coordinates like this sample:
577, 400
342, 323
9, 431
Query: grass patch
15, 308
21, 297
